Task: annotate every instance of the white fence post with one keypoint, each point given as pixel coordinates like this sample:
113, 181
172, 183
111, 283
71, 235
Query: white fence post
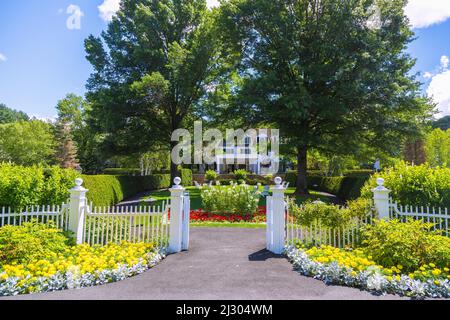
176, 217
381, 199
278, 217
186, 221
77, 210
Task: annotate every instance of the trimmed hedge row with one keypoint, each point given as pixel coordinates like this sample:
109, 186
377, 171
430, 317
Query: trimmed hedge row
345, 187
107, 190
186, 177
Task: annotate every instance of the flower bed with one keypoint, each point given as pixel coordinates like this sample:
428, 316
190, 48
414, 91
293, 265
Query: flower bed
77, 267
353, 268
204, 216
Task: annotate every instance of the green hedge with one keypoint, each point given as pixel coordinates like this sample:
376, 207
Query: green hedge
30, 186
122, 171
106, 190
345, 187
414, 185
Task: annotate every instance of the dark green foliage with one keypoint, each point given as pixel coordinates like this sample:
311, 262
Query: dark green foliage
443, 123
8, 115
346, 187
122, 171
106, 190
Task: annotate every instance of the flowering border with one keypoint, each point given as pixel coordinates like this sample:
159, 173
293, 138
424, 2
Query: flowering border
370, 280
72, 280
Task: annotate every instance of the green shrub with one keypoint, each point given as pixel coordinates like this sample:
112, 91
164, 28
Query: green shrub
30, 241
233, 200
410, 244
414, 185
107, 190
211, 175
26, 186
241, 174
186, 177
319, 213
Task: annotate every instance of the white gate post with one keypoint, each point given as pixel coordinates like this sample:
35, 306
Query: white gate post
186, 221
278, 217
77, 210
381, 199
176, 217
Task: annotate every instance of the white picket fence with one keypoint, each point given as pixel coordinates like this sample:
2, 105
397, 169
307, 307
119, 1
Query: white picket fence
439, 217
103, 225
166, 226
43, 214
317, 234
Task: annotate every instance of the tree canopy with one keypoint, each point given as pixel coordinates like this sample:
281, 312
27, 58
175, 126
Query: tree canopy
331, 75
152, 67
8, 115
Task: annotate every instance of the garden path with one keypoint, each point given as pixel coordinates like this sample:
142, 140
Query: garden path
223, 263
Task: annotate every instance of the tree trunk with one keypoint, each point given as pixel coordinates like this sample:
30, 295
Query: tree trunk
302, 165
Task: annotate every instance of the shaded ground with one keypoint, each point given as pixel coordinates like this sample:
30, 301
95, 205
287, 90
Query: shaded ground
221, 264
157, 197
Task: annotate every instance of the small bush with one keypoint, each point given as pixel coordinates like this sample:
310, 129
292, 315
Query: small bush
211, 175
319, 213
240, 199
410, 244
31, 240
241, 174
414, 185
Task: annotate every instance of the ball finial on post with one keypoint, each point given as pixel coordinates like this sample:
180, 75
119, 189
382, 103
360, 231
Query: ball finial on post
278, 181
78, 182
177, 182
380, 182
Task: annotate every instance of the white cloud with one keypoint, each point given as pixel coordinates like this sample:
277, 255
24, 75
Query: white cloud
424, 13
439, 88
428, 75
444, 62
108, 9
3, 57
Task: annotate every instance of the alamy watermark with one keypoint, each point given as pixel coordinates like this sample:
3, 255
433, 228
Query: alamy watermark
255, 148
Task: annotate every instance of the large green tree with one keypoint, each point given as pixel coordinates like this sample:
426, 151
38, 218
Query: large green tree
152, 67
74, 123
330, 74
27, 142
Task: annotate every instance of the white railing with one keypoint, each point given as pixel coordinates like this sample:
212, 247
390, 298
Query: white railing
439, 217
103, 225
42, 214
317, 234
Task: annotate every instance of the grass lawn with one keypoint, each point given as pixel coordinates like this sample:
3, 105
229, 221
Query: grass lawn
196, 201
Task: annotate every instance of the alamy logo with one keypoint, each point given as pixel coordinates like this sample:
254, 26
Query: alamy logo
257, 149
74, 20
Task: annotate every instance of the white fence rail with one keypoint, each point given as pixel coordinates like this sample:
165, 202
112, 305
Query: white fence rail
43, 214
103, 225
439, 217
167, 225
317, 234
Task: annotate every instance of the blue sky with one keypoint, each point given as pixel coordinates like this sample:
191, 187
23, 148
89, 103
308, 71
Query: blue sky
42, 53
